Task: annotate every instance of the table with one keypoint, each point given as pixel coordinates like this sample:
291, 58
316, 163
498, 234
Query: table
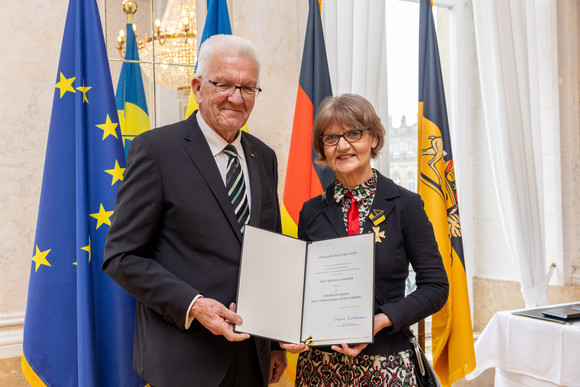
529, 352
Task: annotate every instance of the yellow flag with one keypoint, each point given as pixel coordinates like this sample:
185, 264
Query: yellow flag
452, 334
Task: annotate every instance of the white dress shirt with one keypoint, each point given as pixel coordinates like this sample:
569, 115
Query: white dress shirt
216, 145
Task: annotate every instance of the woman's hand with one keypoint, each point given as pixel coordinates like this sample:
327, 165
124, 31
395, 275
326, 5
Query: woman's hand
350, 350
381, 321
295, 348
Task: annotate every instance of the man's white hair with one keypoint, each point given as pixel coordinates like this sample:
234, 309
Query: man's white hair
225, 44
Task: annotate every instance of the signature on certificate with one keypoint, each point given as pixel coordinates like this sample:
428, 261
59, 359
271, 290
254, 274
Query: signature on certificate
341, 319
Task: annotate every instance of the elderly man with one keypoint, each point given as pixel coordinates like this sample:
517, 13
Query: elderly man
189, 190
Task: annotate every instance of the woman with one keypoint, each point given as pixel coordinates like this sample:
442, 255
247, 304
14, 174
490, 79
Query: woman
347, 134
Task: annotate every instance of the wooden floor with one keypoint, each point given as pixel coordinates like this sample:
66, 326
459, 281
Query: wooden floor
11, 373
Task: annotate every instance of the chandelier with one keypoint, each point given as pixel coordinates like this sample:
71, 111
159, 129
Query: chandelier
172, 48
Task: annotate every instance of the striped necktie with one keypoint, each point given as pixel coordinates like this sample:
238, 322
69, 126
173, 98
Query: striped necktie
236, 187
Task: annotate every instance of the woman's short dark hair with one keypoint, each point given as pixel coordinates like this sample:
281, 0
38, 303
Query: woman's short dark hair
347, 111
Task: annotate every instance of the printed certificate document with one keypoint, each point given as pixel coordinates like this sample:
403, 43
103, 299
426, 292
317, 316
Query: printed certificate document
315, 292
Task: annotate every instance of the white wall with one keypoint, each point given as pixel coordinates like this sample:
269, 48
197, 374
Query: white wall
28, 62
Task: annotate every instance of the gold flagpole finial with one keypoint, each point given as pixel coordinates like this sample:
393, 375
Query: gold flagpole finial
129, 7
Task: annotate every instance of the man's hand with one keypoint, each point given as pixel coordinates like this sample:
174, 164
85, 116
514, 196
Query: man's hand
278, 364
218, 319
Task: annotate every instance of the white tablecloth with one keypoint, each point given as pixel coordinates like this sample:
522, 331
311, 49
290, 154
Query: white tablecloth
529, 352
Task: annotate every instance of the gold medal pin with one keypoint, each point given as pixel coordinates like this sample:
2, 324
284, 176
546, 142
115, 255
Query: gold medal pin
378, 234
377, 217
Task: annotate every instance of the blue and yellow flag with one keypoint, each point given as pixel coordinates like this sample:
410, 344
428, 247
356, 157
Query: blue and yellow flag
78, 329
130, 98
452, 334
217, 22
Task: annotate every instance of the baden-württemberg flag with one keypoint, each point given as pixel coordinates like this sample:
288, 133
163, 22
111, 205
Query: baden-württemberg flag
452, 335
130, 97
78, 329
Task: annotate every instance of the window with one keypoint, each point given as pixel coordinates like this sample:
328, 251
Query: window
411, 181
402, 35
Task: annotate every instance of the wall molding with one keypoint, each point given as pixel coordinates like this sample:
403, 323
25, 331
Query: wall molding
11, 334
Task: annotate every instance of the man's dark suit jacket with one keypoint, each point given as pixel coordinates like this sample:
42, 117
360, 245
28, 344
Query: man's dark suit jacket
174, 235
408, 238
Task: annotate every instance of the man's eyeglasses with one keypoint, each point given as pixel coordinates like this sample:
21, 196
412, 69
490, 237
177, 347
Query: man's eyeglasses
350, 136
228, 89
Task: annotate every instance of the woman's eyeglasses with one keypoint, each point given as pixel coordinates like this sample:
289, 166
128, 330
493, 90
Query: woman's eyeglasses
353, 135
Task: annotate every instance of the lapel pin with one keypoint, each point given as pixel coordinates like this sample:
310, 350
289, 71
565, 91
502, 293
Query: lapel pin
377, 216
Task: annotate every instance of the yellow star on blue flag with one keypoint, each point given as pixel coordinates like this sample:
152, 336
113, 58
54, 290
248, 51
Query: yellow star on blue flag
102, 217
65, 84
116, 172
87, 248
84, 89
40, 258
109, 128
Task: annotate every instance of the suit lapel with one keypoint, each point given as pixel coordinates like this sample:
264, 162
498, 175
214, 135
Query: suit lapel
333, 213
253, 164
198, 150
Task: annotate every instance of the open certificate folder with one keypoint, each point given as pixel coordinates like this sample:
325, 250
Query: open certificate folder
293, 291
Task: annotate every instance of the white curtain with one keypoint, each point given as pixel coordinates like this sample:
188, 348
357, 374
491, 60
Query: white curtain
505, 32
354, 33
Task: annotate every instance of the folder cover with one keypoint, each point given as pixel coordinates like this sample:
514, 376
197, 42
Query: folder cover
294, 291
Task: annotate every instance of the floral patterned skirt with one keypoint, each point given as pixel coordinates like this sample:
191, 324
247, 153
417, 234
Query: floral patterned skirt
321, 368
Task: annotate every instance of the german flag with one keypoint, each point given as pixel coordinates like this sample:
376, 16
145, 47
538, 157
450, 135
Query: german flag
305, 179
452, 335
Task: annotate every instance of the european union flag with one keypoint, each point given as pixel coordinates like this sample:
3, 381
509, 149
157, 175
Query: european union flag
78, 329
130, 97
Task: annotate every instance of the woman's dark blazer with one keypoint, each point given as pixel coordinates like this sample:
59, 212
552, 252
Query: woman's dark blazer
408, 239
